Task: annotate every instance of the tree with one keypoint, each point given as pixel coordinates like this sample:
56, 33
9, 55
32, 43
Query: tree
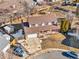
28, 7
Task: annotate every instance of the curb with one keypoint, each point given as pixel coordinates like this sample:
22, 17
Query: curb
45, 51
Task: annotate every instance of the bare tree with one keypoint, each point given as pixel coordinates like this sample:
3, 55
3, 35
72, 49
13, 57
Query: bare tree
25, 7
28, 7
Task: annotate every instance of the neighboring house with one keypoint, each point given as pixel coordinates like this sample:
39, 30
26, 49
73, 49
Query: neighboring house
18, 34
36, 25
4, 43
9, 28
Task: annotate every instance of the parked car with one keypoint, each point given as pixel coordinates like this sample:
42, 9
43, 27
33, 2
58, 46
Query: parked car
71, 54
73, 4
18, 51
65, 4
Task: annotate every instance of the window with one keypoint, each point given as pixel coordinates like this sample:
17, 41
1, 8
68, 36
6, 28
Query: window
30, 25
26, 24
36, 25
49, 23
43, 24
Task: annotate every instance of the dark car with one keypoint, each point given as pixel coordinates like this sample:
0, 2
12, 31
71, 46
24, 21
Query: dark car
65, 4
71, 54
19, 51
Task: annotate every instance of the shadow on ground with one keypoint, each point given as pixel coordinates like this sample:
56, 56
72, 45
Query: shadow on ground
71, 41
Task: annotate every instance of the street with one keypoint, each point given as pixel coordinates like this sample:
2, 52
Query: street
50, 55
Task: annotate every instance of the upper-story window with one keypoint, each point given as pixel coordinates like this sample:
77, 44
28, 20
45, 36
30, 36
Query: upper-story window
36, 25
30, 25
49, 23
43, 24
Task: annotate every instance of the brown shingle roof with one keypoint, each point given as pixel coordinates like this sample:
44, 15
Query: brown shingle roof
40, 28
44, 18
41, 19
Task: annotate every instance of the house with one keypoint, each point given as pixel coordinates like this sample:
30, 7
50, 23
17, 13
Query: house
38, 24
18, 34
4, 43
41, 23
9, 28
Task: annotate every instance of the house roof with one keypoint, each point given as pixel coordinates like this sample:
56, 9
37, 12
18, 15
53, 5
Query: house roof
40, 20
3, 43
44, 18
32, 30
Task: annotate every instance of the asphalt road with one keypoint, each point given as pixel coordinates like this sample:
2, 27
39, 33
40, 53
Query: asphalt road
51, 55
